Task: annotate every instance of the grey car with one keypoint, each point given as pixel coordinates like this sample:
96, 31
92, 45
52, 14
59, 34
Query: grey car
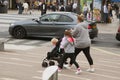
50, 25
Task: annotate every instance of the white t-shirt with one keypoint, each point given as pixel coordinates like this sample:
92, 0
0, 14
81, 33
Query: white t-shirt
74, 6
25, 5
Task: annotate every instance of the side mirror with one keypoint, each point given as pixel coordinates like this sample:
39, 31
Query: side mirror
36, 20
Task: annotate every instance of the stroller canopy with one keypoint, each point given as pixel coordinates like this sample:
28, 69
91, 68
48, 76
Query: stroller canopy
115, 0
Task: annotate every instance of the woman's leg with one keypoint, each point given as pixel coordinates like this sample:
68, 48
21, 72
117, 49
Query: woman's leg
86, 51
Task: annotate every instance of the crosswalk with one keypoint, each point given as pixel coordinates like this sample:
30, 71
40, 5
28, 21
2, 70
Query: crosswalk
7, 19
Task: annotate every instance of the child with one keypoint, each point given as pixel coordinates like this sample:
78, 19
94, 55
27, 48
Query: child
55, 42
67, 46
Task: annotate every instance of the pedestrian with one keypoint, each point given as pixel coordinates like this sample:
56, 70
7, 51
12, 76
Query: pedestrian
74, 7
89, 16
67, 47
82, 40
116, 7
68, 7
53, 7
85, 10
105, 11
20, 8
43, 8
62, 8
26, 6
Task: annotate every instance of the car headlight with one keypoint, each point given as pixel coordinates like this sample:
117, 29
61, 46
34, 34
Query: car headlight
12, 24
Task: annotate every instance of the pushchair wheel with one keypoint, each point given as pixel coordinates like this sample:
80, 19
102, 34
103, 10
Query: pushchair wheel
51, 63
44, 64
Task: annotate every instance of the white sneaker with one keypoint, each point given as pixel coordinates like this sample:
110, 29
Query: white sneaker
91, 70
78, 72
66, 66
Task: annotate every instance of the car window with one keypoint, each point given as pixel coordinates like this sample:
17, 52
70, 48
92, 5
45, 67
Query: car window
65, 18
50, 18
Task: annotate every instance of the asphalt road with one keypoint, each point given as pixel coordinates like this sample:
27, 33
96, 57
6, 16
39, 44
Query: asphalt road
22, 58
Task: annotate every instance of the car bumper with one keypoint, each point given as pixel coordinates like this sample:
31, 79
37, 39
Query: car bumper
10, 30
93, 33
118, 36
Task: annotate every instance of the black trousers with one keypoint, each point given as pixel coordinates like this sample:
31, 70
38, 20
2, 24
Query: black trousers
86, 52
72, 59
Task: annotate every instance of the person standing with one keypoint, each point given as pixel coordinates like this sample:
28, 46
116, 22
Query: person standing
20, 8
85, 10
105, 11
82, 40
43, 8
62, 8
74, 7
68, 8
67, 47
26, 6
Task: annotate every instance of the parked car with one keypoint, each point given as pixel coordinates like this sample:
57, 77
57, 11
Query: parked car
52, 24
118, 34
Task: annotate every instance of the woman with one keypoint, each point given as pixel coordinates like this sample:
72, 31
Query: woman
82, 40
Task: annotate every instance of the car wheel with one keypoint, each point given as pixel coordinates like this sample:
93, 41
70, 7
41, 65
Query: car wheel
19, 33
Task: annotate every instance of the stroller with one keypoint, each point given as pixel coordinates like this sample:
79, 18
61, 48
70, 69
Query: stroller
54, 55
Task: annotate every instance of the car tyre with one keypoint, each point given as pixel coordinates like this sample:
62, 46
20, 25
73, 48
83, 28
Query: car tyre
19, 33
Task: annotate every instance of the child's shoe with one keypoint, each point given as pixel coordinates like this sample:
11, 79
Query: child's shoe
59, 69
78, 71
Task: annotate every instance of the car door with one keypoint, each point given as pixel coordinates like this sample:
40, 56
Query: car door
46, 26
64, 22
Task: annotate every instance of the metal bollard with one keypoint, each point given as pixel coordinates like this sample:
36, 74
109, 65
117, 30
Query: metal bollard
1, 46
50, 73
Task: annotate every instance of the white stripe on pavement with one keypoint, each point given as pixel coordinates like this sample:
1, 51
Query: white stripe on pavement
108, 61
7, 79
107, 52
18, 47
31, 42
36, 77
107, 76
19, 59
72, 76
26, 65
24, 54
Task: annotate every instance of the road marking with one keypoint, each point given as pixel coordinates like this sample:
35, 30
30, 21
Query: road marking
36, 77
24, 54
39, 71
7, 79
109, 62
114, 61
107, 52
18, 47
72, 76
32, 42
26, 65
107, 76
22, 60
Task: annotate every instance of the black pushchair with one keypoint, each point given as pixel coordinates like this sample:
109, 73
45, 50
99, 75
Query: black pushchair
52, 56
